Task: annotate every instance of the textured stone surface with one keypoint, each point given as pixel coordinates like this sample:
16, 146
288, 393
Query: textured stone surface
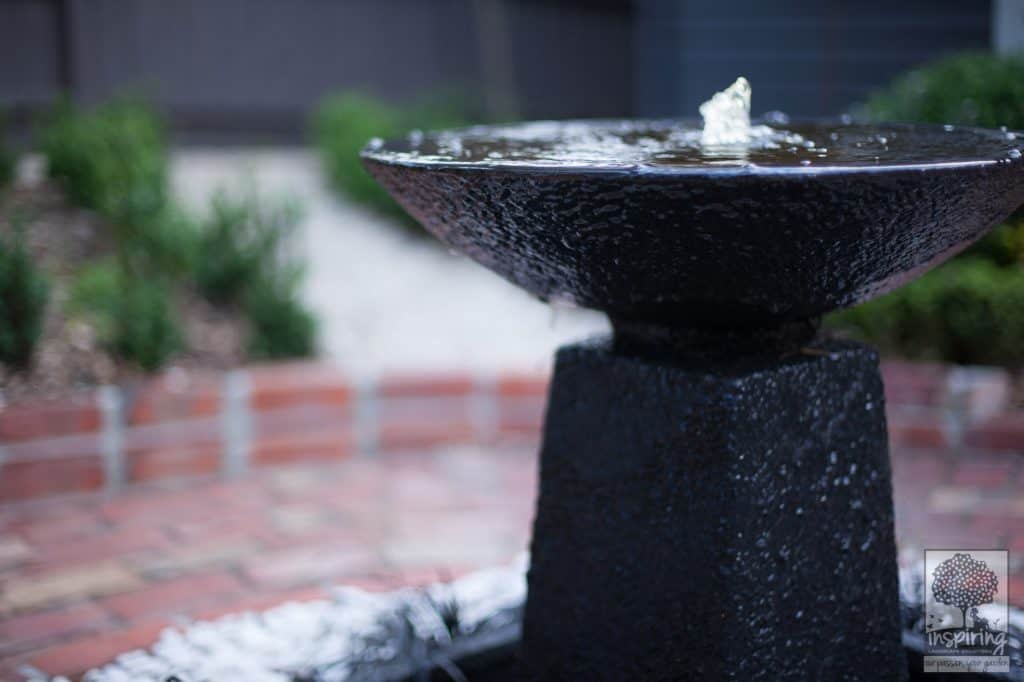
730, 522
721, 246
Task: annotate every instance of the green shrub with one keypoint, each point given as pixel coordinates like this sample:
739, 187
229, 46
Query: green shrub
241, 239
977, 89
7, 158
344, 123
24, 292
969, 311
279, 325
7, 166
166, 244
132, 315
147, 329
113, 160
241, 261
1003, 246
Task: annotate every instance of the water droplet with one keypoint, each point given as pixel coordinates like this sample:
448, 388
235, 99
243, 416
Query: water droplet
1014, 154
949, 128
805, 162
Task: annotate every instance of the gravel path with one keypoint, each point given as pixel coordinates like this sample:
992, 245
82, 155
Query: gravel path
387, 301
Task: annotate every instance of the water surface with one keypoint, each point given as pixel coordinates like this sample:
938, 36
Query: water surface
677, 144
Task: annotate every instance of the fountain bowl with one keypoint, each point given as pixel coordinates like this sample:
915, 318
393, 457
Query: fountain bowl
711, 245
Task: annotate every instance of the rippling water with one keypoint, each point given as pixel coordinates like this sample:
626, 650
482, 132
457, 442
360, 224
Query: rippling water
673, 143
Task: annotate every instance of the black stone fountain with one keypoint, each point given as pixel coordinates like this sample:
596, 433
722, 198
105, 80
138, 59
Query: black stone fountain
715, 496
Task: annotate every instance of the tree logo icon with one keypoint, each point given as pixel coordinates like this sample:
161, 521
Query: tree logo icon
966, 610
964, 582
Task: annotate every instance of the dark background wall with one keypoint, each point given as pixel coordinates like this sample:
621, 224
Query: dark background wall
255, 68
251, 70
803, 57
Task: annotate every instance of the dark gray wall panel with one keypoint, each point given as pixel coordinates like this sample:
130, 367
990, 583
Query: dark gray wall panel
573, 59
805, 57
266, 58
29, 54
257, 67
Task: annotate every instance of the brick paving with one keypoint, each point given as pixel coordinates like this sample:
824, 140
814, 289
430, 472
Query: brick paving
84, 579
81, 581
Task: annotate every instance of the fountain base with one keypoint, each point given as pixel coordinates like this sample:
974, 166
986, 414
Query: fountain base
714, 519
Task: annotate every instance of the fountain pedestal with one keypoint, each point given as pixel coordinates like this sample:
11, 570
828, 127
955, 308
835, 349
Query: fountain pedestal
708, 519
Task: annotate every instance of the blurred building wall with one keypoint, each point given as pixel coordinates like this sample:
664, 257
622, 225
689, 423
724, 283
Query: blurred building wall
1008, 25
252, 69
803, 57
255, 68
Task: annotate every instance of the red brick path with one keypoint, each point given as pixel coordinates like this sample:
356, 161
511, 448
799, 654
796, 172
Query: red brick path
83, 581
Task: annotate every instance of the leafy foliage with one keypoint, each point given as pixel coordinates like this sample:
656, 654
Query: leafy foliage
7, 165
240, 241
132, 315
7, 157
968, 311
147, 329
279, 325
113, 160
24, 292
977, 89
241, 261
344, 123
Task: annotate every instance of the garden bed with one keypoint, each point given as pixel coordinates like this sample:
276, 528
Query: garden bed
70, 356
104, 276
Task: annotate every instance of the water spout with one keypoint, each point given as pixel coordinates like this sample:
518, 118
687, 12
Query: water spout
727, 116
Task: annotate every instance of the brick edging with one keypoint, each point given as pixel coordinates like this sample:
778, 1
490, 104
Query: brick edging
179, 424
